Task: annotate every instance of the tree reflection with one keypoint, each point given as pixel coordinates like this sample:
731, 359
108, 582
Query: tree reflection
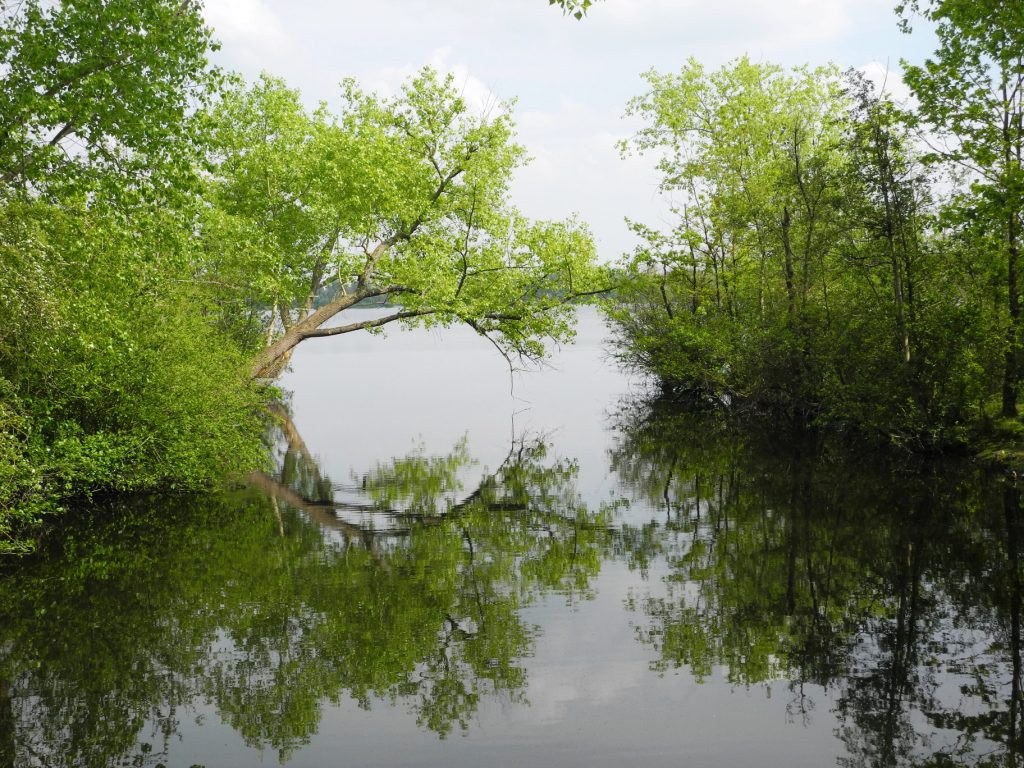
403, 586
886, 593
884, 589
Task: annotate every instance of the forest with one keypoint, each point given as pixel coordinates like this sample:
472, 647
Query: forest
835, 255
169, 233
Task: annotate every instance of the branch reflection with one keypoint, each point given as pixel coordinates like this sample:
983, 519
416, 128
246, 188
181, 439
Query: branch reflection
404, 586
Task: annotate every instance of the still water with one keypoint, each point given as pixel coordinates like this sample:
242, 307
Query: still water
450, 566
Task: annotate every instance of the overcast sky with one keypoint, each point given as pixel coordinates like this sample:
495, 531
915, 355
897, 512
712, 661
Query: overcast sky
571, 79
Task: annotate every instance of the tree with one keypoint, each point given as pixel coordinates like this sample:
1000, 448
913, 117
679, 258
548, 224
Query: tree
972, 93
112, 376
890, 186
400, 200
806, 270
100, 87
750, 152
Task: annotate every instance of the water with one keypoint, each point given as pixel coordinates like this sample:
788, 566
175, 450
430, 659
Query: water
449, 567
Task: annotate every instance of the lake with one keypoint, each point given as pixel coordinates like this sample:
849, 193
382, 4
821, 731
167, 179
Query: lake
449, 565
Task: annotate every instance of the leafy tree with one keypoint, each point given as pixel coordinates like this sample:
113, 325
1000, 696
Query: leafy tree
972, 93
750, 154
100, 88
111, 373
128, 344
402, 200
806, 270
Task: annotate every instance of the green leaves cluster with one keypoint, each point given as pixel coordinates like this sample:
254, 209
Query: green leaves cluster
576, 8
971, 96
98, 91
112, 372
402, 199
807, 269
171, 234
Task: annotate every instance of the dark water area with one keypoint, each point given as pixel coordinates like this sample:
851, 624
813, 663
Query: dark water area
441, 571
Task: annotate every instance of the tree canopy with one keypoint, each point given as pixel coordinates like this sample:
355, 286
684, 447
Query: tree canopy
401, 200
111, 373
971, 94
168, 233
809, 268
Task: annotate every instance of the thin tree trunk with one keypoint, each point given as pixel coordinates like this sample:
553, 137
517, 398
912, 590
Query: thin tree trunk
1011, 165
788, 249
1011, 373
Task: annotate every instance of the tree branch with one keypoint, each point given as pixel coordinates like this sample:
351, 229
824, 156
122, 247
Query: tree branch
366, 324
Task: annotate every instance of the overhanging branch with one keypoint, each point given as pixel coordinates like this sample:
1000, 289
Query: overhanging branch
366, 324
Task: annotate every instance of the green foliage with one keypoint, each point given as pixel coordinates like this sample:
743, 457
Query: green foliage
808, 269
162, 227
114, 373
969, 95
402, 198
576, 8
122, 381
98, 92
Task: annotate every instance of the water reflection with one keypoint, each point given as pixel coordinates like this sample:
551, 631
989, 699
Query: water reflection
878, 601
887, 590
270, 604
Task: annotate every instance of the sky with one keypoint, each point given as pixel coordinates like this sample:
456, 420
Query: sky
570, 79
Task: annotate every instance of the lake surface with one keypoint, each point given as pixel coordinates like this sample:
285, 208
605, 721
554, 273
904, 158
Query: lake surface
448, 566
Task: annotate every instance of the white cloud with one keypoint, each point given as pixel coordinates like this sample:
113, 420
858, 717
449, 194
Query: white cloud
571, 79
744, 26
478, 96
887, 81
576, 168
250, 29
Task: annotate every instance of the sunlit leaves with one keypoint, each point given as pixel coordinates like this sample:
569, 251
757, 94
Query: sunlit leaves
113, 362
99, 87
404, 197
576, 8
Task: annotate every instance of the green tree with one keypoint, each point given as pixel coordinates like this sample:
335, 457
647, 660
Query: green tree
100, 88
807, 270
111, 373
403, 200
914, 353
750, 152
971, 92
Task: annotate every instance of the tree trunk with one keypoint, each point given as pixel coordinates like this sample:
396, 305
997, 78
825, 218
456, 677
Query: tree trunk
790, 285
1011, 373
274, 356
890, 201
